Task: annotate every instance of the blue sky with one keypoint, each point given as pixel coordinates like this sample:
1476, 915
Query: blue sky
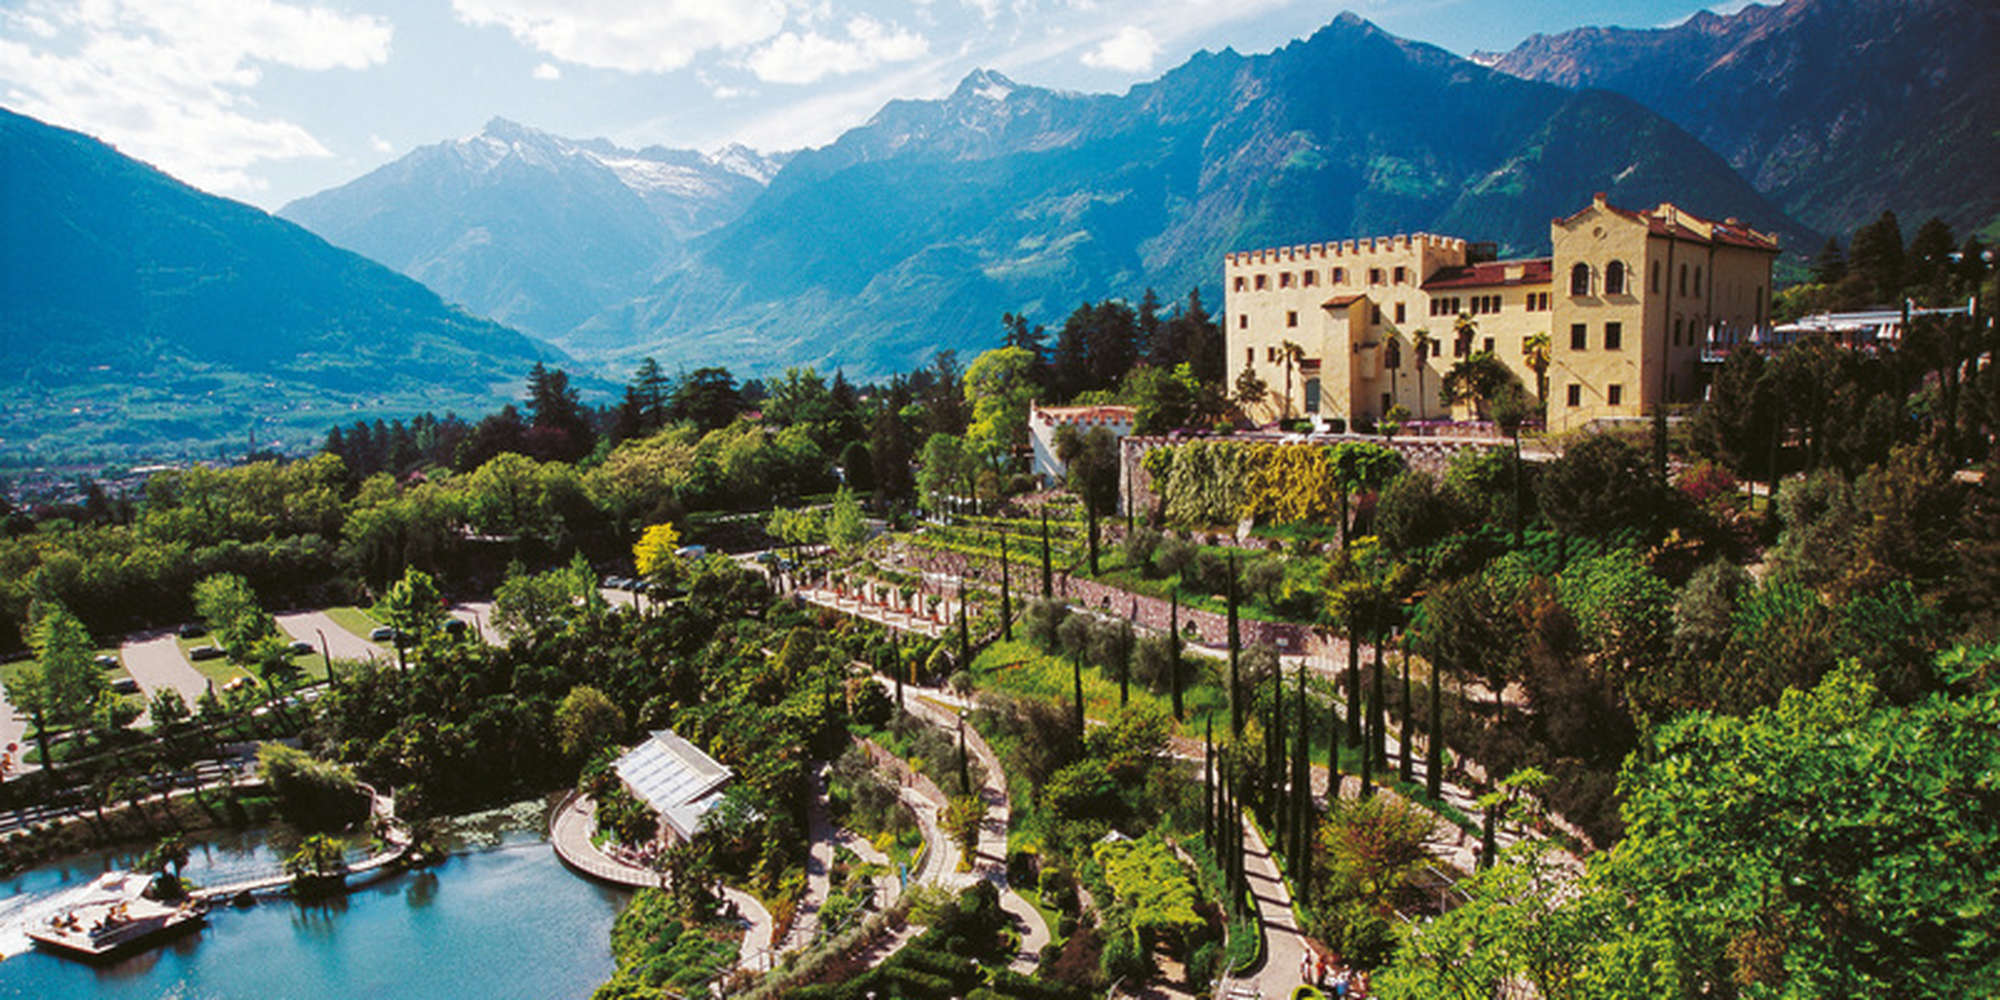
269, 100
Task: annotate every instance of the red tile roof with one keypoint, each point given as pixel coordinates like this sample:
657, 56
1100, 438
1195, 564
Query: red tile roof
1492, 274
1658, 222
1341, 301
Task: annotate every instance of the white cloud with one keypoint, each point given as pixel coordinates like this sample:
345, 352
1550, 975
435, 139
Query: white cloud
380, 145
637, 38
548, 71
804, 58
167, 81
1132, 49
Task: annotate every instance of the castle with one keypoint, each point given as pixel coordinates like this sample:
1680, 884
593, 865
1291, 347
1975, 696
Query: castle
1628, 301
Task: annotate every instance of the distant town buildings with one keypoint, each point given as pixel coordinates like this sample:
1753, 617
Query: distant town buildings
1628, 299
1045, 421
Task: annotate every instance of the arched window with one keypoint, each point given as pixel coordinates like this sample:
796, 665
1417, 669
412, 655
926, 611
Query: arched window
1579, 280
1614, 278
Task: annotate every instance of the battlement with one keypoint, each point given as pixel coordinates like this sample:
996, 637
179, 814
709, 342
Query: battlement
1312, 252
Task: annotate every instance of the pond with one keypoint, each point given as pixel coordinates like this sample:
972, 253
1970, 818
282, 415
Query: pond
505, 921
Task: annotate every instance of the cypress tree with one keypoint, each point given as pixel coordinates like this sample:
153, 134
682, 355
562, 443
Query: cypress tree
1409, 719
895, 658
964, 629
1208, 784
1076, 675
964, 768
1301, 792
1353, 686
1367, 748
1174, 651
1434, 751
1379, 707
1235, 651
1006, 592
1276, 800
1048, 572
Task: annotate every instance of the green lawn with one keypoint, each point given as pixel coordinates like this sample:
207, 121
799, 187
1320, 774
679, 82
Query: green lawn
218, 670
10, 671
1018, 667
354, 620
312, 668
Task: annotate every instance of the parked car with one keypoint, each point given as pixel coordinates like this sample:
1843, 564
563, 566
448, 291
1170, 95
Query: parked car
193, 631
691, 551
382, 633
205, 653
454, 626
300, 647
107, 661
125, 685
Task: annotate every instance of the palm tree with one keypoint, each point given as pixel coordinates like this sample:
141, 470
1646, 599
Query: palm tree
1420, 341
1535, 351
1462, 330
1294, 354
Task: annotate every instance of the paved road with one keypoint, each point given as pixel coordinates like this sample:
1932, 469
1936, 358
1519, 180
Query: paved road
154, 659
479, 615
13, 730
306, 626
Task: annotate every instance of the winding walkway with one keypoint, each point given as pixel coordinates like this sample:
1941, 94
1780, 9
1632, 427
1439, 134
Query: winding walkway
940, 708
571, 825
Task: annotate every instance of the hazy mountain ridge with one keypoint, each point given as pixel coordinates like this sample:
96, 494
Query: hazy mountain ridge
140, 310
916, 230
533, 229
1835, 108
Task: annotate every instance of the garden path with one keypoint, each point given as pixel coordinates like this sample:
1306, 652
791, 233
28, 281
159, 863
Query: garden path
570, 830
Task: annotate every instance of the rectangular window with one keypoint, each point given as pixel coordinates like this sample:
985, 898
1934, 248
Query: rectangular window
1486, 345
1340, 275
1614, 336
1243, 321
1374, 275
1614, 394
1309, 278
1242, 282
1375, 315
1579, 337
1402, 275
1262, 281
1271, 355
1697, 281
1677, 331
1575, 394
1249, 356
1399, 312
1291, 317
1285, 279
1653, 283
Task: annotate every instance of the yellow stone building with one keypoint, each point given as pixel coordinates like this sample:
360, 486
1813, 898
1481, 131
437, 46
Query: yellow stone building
1626, 299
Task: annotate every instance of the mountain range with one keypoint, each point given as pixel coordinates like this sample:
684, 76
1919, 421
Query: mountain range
145, 318
142, 313
918, 229
534, 230
1837, 109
